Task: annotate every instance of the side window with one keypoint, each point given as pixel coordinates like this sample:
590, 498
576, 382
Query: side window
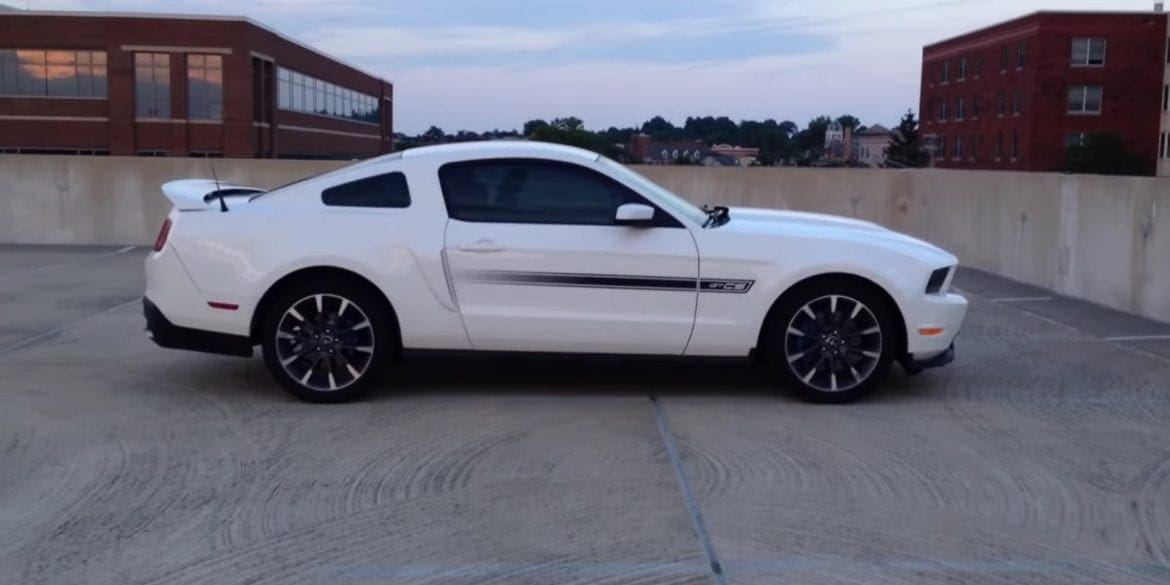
387, 190
535, 191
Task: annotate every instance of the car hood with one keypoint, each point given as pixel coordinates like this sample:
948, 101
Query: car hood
828, 227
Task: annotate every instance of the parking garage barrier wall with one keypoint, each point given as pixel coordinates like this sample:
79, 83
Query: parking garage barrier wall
1103, 239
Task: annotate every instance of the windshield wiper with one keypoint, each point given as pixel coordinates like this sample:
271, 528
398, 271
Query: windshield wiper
716, 216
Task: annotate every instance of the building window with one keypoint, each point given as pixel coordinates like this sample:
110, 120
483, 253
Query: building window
284, 88
1084, 99
1017, 102
962, 68
960, 108
943, 110
1074, 139
301, 93
1168, 50
1000, 103
942, 147
1021, 54
205, 87
998, 153
958, 148
1015, 145
1087, 52
1003, 58
973, 144
152, 85
946, 71
1166, 98
1164, 146
41, 73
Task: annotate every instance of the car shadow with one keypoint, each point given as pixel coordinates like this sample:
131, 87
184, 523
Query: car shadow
572, 375
550, 375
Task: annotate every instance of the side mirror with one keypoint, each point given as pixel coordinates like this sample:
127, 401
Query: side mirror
634, 214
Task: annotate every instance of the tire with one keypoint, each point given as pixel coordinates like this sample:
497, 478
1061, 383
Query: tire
832, 340
327, 341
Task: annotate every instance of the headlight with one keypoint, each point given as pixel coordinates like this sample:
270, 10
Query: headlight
937, 279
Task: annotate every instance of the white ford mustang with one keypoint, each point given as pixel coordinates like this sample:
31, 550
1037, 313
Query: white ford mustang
530, 247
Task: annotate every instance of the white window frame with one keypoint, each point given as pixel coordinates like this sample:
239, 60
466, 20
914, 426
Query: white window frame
1084, 111
1089, 41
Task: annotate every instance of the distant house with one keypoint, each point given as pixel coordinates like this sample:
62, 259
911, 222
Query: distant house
720, 160
645, 149
743, 156
873, 144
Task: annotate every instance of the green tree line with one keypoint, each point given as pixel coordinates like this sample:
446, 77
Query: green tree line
779, 142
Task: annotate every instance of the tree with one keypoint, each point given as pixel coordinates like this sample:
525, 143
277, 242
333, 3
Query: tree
849, 121
570, 124
658, 127
810, 142
906, 148
531, 126
1104, 154
433, 135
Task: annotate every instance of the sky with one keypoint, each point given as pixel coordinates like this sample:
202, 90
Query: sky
486, 64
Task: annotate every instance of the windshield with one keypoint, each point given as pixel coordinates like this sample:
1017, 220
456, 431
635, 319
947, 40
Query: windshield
658, 193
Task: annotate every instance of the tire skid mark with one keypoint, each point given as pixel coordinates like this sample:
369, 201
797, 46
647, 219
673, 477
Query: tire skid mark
1151, 509
867, 537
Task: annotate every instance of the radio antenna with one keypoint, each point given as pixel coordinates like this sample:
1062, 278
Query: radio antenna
222, 204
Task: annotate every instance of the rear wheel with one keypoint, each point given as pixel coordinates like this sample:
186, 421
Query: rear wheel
832, 340
327, 342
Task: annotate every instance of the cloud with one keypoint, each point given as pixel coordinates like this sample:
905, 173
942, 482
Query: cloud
393, 42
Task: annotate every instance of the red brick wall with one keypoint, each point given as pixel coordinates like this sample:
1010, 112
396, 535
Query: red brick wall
1131, 81
235, 135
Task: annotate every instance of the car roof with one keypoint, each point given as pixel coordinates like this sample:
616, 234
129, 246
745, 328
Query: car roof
500, 148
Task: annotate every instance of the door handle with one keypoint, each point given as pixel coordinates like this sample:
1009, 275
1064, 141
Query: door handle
481, 246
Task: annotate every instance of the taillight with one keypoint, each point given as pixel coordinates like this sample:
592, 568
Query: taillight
163, 232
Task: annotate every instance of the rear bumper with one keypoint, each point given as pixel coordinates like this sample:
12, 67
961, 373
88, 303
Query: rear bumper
167, 334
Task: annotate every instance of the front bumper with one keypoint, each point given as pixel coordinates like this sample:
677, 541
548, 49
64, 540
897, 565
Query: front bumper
915, 366
167, 334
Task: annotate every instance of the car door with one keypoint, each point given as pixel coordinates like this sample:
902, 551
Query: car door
538, 261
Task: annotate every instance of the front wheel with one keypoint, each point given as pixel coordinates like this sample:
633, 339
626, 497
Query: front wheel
326, 342
832, 341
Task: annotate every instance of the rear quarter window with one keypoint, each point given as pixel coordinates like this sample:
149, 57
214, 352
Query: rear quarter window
387, 190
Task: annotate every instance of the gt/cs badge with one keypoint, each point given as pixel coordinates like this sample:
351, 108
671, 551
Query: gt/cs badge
728, 286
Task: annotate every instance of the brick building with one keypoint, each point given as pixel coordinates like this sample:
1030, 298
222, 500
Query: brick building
176, 85
1015, 95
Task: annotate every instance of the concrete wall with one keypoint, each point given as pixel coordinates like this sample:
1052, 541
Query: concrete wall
113, 199
1105, 239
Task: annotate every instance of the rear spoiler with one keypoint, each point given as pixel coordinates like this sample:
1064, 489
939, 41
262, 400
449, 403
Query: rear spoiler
204, 194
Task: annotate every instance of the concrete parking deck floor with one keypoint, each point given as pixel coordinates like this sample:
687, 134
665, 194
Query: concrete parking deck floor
1042, 455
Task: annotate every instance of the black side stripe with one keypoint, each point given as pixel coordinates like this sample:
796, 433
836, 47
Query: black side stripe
613, 281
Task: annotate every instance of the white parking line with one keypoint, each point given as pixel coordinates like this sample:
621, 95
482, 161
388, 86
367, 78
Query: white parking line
83, 260
1138, 338
62, 328
1020, 299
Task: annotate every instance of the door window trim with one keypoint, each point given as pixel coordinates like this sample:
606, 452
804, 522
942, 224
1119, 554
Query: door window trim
662, 218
